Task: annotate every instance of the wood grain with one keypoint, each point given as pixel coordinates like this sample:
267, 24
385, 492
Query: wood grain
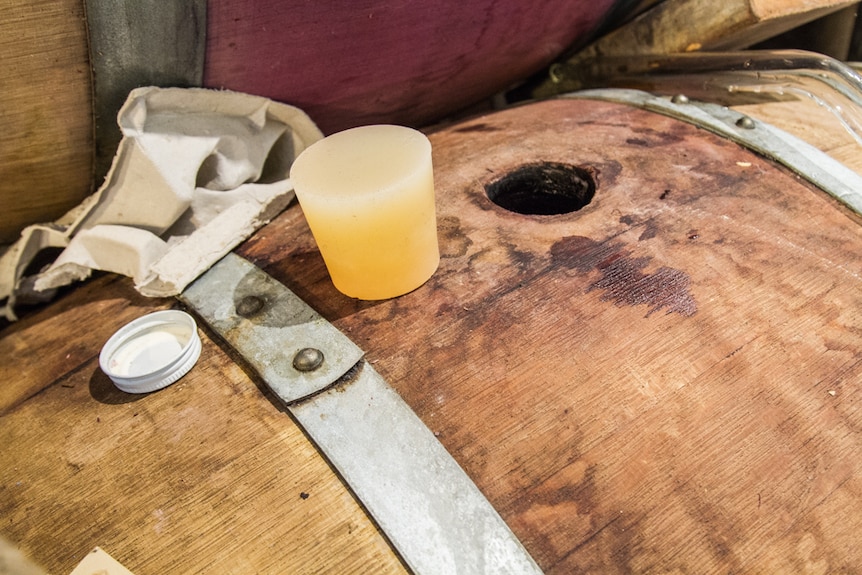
46, 144
810, 122
675, 26
209, 475
662, 381
683, 26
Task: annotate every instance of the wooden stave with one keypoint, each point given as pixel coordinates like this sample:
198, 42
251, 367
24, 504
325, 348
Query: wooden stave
46, 147
751, 526
411, 64
212, 476
805, 498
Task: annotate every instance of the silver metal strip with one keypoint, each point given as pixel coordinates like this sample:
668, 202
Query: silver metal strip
420, 497
814, 165
426, 505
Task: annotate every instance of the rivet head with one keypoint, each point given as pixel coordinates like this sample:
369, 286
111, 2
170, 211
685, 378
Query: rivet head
307, 359
745, 123
680, 99
249, 305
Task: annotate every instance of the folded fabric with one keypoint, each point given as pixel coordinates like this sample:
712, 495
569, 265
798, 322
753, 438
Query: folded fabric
196, 173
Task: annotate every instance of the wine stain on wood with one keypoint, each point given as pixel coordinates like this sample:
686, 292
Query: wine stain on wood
477, 128
623, 279
650, 227
720, 535
650, 231
655, 138
637, 142
453, 241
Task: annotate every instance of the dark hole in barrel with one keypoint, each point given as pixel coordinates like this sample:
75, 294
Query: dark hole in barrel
544, 188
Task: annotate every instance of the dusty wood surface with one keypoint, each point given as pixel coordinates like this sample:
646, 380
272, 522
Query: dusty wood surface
206, 476
663, 381
46, 154
810, 122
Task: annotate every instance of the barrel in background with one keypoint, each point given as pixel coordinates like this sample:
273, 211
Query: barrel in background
68, 64
373, 61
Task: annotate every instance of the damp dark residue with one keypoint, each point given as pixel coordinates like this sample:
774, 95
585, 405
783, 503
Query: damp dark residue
476, 128
653, 138
650, 231
623, 279
650, 228
453, 241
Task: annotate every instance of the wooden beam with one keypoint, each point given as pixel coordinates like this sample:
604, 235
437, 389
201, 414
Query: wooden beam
680, 26
691, 25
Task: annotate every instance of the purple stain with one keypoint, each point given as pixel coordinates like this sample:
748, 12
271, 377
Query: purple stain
624, 280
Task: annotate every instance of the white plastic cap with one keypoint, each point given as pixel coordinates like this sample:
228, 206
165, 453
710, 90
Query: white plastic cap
151, 352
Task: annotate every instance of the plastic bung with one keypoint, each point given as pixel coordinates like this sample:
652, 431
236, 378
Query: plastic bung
368, 196
151, 352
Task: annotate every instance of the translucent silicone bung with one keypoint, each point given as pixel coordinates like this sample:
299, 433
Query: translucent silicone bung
368, 196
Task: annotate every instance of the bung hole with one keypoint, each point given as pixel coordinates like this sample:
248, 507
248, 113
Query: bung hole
544, 188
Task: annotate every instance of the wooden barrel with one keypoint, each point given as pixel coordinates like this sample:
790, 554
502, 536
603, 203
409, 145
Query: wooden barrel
372, 61
46, 141
66, 74
664, 379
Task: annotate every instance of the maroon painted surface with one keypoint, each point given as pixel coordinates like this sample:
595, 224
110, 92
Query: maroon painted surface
369, 61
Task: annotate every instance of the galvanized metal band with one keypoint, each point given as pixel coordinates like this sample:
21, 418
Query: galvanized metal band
423, 501
274, 330
136, 43
807, 161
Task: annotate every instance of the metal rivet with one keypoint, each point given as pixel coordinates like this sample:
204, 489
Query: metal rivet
745, 123
249, 305
680, 99
307, 359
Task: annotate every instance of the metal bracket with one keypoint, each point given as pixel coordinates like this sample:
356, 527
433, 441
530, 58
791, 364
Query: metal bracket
272, 328
423, 501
